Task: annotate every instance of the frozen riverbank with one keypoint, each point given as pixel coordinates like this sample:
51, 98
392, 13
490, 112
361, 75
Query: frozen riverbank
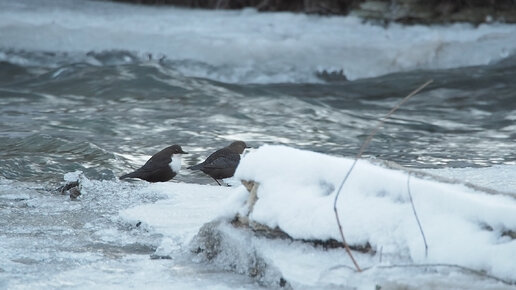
468, 231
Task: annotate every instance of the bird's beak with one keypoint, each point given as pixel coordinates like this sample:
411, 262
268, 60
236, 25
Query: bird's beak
183, 152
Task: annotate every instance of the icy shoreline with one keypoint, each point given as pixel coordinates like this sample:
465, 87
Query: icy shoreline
465, 228
179, 235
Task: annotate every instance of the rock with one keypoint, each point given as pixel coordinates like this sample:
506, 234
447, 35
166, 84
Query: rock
403, 11
67, 186
232, 249
71, 188
437, 11
74, 193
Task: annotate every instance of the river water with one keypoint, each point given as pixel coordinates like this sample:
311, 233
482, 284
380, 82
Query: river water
71, 99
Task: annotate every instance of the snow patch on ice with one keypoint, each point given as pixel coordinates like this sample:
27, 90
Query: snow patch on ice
185, 209
72, 176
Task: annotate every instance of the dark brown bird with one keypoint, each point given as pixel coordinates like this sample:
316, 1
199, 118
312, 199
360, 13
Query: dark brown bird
161, 167
223, 162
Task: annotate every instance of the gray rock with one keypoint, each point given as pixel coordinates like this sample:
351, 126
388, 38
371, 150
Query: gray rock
231, 249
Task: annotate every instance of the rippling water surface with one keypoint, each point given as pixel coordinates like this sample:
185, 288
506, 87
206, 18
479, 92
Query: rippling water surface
107, 119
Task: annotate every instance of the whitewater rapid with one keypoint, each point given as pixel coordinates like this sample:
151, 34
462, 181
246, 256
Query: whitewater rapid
246, 46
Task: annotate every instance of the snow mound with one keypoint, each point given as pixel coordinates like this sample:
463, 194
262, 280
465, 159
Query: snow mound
470, 232
463, 226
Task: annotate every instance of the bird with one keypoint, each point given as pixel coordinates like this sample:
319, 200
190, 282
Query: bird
161, 167
223, 162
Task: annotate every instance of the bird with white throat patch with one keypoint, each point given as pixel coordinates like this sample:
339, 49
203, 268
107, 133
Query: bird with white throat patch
161, 167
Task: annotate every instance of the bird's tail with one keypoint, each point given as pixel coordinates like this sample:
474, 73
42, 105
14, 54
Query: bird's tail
196, 167
128, 175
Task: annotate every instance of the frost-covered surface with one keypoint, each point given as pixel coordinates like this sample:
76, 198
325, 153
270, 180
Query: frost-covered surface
462, 226
48, 241
486, 176
112, 233
245, 46
186, 209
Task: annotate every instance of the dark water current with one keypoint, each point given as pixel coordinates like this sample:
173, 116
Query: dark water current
107, 119
59, 115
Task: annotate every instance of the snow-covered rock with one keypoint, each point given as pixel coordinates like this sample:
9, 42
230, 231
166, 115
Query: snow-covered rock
469, 231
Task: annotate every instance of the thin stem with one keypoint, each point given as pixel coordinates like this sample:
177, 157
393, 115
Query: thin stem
217, 181
359, 154
417, 218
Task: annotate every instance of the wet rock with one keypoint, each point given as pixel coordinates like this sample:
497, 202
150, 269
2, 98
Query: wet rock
69, 185
70, 188
231, 249
332, 76
403, 11
306, 6
510, 234
437, 11
74, 193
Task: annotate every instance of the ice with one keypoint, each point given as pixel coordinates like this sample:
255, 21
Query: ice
245, 46
125, 234
467, 229
499, 177
140, 272
48, 241
193, 205
73, 176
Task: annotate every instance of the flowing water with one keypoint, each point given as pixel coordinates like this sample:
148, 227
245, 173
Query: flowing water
98, 119
105, 112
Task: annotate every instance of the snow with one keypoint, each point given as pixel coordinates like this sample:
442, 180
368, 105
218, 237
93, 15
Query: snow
244, 46
50, 242
192, 204
374, 207
463, 226
139, 234
73, 176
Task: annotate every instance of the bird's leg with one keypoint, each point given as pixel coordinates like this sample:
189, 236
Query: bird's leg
217, 182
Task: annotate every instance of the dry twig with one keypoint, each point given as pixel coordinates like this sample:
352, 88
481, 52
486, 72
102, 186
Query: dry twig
417, 218
359, 154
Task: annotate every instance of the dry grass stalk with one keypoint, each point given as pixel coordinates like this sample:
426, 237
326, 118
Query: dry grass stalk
359, 154
417, 217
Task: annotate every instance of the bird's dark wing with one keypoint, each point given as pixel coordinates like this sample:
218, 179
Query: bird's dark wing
155, 162
217, 154
156, 175
196, 167
222, 161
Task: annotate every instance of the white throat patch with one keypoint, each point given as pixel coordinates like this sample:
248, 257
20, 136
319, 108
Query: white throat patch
175, 164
